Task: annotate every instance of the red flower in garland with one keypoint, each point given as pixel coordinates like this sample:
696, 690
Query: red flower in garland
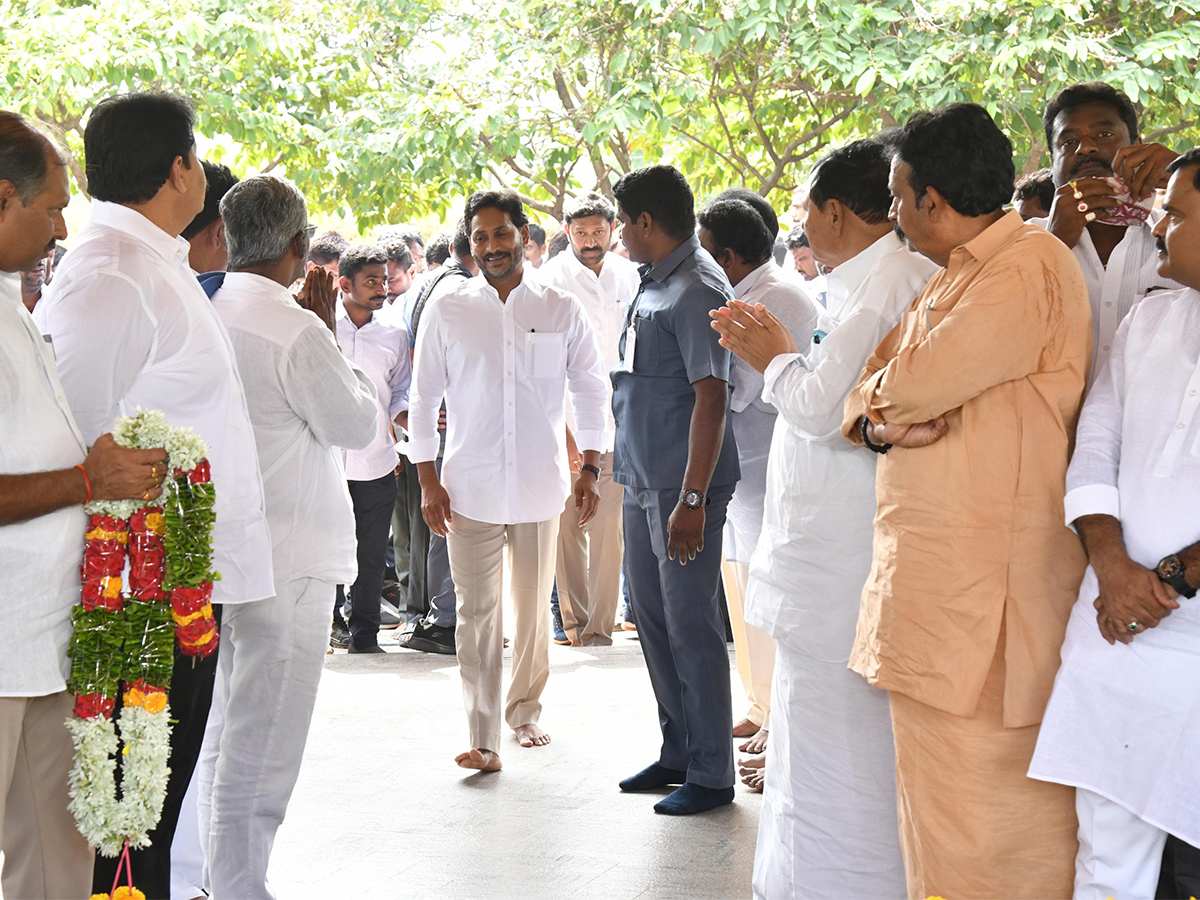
88, 706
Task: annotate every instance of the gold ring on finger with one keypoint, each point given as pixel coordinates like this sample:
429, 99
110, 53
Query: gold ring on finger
1090, 217
1083, 207
1134, 625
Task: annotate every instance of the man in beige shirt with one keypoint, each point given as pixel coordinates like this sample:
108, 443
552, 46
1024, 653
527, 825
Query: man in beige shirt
976, 393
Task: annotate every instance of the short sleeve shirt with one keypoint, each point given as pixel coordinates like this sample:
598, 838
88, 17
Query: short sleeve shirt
674, 347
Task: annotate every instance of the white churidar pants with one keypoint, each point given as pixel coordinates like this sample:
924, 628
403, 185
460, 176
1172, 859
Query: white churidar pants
1119, 854
272, 654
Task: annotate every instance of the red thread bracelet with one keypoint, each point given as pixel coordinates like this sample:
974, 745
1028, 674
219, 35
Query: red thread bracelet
87, 481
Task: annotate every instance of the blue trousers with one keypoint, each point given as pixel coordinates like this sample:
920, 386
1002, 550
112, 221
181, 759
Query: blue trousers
682, 633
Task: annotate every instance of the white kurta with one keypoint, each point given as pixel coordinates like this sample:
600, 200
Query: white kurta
753, 416
830, 792
1124, 720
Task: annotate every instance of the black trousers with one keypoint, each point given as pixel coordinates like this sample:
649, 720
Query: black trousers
416, 597
373, 502
1180, 874
190, 696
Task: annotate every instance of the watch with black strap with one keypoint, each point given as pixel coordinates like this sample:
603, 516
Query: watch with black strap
588, 467
1170, 570
693, 499
865, 429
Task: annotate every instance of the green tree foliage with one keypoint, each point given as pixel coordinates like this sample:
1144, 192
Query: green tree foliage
395, 108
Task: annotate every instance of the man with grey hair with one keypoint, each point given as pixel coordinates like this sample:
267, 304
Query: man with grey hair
306, 400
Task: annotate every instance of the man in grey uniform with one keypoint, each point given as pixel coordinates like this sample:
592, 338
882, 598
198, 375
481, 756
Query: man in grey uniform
676, 455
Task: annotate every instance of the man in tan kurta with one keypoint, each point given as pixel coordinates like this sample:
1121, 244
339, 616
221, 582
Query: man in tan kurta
974, 573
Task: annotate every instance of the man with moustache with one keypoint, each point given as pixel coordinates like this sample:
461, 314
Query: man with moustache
47, 474
589, 559
1092, 133
380, 349
971, 401
503, 350
131, 327
1120, 725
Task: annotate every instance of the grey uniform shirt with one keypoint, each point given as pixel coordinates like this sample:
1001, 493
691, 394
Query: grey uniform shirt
675, 346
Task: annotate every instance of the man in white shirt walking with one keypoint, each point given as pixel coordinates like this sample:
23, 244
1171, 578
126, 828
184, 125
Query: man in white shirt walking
504, 350
132, 328
46, 475
1092, 133
379, 348
828, 826
305, 400
738, 230
1121, 724
588, 568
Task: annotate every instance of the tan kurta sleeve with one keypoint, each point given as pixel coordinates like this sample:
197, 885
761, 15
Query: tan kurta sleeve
995, 332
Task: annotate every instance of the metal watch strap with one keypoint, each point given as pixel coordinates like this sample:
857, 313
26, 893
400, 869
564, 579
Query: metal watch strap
703, 496
587, 467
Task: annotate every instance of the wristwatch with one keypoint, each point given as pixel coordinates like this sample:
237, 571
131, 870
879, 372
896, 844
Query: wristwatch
595, 470
693, 499
1170, 571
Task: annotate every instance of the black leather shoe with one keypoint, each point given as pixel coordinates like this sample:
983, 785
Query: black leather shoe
429, 639
374, 648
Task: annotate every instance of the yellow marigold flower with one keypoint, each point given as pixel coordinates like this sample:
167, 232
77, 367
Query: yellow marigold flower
155, 702
133, 697
155, 524
100, 534
112, 586
128, 893
205, 611
98, 897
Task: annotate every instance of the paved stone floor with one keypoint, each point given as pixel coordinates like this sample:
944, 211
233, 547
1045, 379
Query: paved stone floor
381, 811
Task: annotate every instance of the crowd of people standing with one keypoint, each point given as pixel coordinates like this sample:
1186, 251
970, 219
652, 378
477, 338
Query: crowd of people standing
927, 456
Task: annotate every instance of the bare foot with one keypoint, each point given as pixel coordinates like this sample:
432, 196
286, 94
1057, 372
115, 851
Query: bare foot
755, 781
531, 736
745, 766
757, 743
483, 760
745, 729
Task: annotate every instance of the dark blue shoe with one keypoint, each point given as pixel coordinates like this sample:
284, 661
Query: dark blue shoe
560, 636
692, 798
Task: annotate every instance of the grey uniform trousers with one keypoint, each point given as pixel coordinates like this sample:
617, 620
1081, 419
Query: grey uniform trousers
682, 633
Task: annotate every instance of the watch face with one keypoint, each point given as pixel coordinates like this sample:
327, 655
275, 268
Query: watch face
1170, 567
692, 499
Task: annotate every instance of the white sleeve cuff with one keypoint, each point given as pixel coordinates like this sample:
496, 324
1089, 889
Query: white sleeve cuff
1092, 500
591, 440
422, 449
774, 369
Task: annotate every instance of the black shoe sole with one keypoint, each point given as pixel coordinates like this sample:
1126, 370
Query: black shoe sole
425, 645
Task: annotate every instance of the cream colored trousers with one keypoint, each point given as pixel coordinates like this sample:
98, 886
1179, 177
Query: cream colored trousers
589, 564
755, 649
44, 854
476, 565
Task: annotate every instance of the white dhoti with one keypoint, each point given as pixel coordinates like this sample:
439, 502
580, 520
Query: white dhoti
828, 826
272, 654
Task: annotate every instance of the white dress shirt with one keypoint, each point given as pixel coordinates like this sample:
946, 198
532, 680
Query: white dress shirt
753, 416
1122, 719
504, 369
133, 329
814, 552
381, 350
39, 558
1114, 289
306, 400
604, 298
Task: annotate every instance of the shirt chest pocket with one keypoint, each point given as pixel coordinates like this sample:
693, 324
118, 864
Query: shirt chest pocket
545, 355
646, 354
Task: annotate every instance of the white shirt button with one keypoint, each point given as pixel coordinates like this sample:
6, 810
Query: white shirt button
1178, 426
1106, 347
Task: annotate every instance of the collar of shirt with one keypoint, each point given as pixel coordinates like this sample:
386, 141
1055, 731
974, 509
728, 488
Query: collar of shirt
133, 223
248, 282
751, 281
842, 281
528, 282
340, 314
663, 270
985, 244
10, 287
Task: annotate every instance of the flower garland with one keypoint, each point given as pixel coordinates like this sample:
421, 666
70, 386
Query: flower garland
129, 646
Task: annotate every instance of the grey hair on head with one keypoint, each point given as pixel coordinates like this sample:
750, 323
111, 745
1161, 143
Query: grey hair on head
263, 214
